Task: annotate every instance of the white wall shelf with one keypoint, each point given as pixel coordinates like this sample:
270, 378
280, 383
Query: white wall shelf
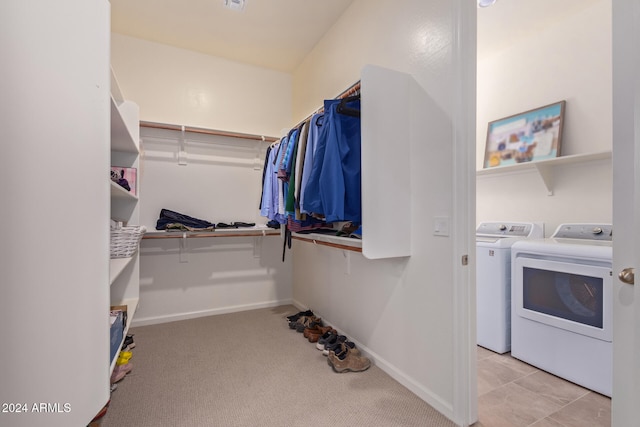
122, 133
345, 243
545, 168
256, 231
120, 193
116, 266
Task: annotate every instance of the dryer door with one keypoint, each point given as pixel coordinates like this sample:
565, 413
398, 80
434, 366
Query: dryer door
571, 296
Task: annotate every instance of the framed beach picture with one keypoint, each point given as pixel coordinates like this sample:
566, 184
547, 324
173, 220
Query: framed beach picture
125, 177
525, 137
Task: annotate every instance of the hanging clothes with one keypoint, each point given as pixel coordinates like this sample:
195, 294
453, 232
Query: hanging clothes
334, 186
315, 125
340, 180
315, 169
271, 186
313, 198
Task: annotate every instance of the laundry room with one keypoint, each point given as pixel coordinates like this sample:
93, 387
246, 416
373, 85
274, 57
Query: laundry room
567, 196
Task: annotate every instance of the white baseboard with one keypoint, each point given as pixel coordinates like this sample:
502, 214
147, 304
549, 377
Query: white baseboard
145, 321
423, 393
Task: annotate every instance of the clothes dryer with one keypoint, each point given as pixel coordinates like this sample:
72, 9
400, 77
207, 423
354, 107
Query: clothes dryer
562, 304
493, 279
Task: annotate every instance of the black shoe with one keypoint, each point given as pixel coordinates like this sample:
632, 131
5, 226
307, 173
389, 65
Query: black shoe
295, 317
128, 343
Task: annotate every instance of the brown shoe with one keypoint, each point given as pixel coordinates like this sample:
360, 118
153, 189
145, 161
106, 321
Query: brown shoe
314, 334
305, 321
313, 327
346, 360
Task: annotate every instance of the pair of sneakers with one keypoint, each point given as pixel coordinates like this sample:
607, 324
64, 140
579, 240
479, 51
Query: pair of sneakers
347, 358
123, 366
293, 319
128, 343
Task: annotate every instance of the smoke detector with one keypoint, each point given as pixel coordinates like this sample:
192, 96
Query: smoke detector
234, 4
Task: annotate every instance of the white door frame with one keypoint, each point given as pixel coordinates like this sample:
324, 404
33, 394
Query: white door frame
626, 208
465, 399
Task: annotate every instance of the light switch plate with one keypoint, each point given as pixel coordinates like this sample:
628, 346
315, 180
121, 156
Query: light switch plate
441, 226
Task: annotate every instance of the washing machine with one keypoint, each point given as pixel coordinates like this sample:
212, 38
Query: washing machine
493, 279
562, 304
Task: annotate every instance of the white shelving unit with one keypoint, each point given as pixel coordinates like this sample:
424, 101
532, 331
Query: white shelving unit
55, 288
124, 276
545, 168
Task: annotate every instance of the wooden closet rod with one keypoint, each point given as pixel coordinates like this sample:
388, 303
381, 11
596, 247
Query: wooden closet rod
154, 125
352, 90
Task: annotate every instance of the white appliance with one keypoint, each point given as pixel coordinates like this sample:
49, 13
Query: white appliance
561, 317
493, 279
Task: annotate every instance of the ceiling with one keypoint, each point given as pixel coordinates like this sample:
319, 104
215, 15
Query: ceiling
278, 34
275, 34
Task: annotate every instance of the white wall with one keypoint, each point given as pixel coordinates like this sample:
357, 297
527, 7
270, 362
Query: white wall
220, 182
569, 60
181, 87
398, 310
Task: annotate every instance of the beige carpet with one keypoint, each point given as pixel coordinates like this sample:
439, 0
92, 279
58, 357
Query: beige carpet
250, 369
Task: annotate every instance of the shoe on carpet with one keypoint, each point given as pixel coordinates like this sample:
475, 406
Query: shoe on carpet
324, 338
128, 343
120, 372
298, 315
338, 347
333, 342
305, 321
294, 319
314, 334
124, 357
314, 327
346, 360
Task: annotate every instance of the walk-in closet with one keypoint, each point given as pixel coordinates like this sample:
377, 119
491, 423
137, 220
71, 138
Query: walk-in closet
230, 272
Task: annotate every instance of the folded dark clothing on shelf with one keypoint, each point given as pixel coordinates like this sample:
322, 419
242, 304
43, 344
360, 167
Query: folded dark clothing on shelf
244, 224
235, 224
273, 224
171, 217
176, 226
328, 231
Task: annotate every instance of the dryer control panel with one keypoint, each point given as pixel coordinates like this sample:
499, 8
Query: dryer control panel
602, 232
509, 229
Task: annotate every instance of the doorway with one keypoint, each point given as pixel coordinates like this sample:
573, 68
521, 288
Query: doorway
531, 55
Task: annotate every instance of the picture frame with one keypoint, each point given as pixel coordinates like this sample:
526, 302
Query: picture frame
127, 178
530, 136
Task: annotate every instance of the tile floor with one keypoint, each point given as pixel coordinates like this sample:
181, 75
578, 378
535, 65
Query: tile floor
512, 393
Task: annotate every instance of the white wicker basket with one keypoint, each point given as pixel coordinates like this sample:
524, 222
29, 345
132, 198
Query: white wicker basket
125, 240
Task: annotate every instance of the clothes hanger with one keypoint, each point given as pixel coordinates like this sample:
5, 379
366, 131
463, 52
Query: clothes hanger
348, 111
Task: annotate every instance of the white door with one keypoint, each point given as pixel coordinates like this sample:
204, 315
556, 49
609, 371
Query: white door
626, 209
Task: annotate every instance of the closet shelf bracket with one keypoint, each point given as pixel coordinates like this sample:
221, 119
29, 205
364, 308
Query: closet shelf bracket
184, 248
182, 151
